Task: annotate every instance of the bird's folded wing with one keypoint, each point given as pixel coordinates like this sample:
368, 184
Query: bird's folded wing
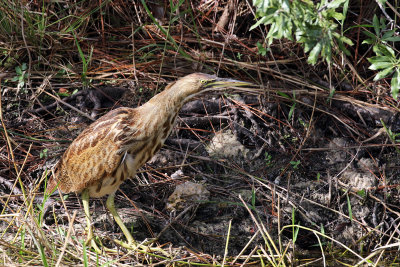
96, 153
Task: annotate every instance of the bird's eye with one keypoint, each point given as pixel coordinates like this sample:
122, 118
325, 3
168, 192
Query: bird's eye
203, 81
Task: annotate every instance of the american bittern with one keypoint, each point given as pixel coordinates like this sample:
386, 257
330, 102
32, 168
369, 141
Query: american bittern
112, 148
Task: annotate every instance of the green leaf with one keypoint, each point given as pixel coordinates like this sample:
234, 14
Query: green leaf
336, 15
380, 65
346, 40
335, 4
342, 47
345, 8
375, 23
370, 34
295, 164
313, 57
291, 112
18, 70
367, 41
261, 50
379, 59
395, 84
382, 74
349, 207
43, 153
393, 39
387, 35
63, 94
386, 50
286, 5
261, 21
362, 193
284, 95
279, 26
82, 56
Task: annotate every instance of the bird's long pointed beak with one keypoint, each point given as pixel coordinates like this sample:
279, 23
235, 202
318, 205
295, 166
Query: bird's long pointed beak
224, 83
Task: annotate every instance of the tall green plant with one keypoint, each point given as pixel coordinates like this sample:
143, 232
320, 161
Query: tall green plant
386, 61
314, 25
85, 62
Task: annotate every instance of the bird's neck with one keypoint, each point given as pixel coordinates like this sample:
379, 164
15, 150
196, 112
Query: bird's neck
175, 95
162, 109
168, 101
161, 112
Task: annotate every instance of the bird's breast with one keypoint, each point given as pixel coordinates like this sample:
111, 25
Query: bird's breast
135, 157
145, 151
110, 183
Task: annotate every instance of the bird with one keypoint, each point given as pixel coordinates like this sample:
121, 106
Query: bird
116, 145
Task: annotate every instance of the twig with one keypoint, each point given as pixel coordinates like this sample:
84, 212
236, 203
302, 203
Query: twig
70, 106
70, 227
26, 47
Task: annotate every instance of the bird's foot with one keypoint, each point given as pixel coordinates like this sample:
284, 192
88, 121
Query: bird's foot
91, 242
148, 241
142, 247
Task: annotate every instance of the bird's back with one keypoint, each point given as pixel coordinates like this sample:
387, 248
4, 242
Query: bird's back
97, 158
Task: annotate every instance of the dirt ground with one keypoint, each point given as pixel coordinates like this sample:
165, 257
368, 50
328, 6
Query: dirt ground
231, 149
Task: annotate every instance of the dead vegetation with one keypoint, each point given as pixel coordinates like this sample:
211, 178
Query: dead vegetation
290, 174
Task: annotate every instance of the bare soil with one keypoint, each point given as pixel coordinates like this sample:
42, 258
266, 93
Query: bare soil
240, 149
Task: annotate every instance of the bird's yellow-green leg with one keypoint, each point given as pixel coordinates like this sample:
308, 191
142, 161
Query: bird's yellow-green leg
90, 237
132, 244
111, 207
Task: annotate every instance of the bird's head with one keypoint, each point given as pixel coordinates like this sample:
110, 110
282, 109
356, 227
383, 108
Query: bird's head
196, 83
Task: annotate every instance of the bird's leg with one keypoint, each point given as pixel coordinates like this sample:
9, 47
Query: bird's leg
132, 244
111, 207
90, 237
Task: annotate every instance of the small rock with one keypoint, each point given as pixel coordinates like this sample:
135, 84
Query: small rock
225, 144
337, 155
177, 175
359, 180
186, 194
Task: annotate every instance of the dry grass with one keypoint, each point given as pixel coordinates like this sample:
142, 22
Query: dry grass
89, 44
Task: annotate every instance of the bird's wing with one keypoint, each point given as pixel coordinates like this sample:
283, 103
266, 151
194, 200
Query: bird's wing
96, 153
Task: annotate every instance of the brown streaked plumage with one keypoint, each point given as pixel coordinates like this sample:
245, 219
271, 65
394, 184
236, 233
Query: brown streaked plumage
112, 148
